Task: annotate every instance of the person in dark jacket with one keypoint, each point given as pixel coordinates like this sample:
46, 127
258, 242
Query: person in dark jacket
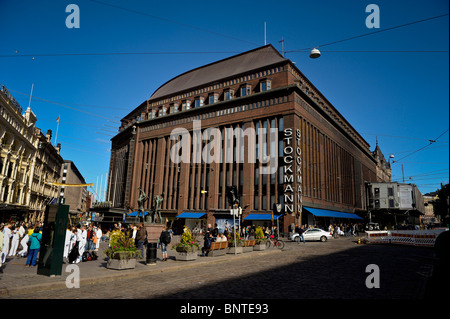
141, 237
164, 240
35, 245
207, 244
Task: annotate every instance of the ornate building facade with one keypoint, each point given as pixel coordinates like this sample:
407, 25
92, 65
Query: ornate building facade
27, 162
46, 167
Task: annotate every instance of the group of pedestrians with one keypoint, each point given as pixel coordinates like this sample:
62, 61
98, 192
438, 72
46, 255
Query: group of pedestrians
81, 239
20, 240
337, 230
212, 235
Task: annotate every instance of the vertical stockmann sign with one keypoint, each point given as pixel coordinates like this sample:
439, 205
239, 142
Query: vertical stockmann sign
292, 171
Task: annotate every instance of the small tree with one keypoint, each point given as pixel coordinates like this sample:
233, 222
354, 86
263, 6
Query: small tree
259, 235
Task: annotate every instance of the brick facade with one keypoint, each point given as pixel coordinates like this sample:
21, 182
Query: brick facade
326, 168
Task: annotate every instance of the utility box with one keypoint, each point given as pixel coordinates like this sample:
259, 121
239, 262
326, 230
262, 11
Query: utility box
53, 240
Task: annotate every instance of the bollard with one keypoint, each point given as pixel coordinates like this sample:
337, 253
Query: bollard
151, 254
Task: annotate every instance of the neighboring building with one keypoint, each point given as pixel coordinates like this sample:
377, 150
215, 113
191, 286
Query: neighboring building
18, 143
223, 110
429, 218
393, 203
46, 167
383, 166
28, 163
73, 194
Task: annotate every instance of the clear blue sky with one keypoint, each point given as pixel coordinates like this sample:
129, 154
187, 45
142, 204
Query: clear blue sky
402, 98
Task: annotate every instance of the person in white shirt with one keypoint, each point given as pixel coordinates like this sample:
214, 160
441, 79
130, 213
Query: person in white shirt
67, 242
134, 232
14, 242
21, 231
6, 237
82, 239
24, 243
221, 237
99, 237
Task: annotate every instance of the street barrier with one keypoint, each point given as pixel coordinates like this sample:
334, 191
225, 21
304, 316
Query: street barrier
377, 237
424, 238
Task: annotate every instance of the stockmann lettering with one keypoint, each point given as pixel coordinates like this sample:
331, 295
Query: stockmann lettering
292, 159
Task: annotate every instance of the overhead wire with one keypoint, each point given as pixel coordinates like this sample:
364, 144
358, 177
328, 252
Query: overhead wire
234, 52
63, 105
371, 33
422, 148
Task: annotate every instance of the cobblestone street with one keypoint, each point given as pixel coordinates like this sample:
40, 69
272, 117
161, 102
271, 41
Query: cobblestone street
335, 269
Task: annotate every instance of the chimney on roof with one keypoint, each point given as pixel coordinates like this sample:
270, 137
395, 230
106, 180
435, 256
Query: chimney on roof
49, 136
58, 148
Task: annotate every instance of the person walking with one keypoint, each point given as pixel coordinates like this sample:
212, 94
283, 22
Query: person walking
67, 242
6, 238
300, 235
35, 245
14, 241
82, 239
74, 244
99, 235
24, 244
141, 236
164, 240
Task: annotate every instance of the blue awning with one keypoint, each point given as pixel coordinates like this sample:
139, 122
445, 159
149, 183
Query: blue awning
136, 213
261, 217
330, 213
191, 215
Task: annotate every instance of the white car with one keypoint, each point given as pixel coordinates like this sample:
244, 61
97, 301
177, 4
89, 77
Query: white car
312, 234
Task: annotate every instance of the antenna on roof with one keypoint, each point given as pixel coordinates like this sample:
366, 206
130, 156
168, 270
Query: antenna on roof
265, 33
282, 46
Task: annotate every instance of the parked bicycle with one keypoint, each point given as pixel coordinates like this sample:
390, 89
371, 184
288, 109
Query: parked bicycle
275, 242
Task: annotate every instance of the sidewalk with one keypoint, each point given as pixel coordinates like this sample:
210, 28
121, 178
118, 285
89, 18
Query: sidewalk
17, 279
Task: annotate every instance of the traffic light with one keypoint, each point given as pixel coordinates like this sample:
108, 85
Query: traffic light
232, 195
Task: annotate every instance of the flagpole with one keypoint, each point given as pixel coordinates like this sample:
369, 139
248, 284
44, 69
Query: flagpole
29, 102
57, 127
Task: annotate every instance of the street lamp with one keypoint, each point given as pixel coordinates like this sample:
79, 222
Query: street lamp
314, 53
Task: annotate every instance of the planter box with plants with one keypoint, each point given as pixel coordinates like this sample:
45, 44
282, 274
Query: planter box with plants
231, 244
122, 253
260, 239
187, 249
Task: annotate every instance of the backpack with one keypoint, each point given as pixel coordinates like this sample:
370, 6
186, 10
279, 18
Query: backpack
166, 237
86, 256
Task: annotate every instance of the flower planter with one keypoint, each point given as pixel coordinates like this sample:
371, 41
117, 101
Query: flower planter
235, 250
122, 260
120, 264
259, 247
247, 249
186, 256
186, 249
